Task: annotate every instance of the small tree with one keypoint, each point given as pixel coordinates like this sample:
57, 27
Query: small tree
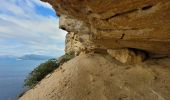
45, 68
40, 72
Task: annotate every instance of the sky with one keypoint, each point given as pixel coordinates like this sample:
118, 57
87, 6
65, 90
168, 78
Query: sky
29, 27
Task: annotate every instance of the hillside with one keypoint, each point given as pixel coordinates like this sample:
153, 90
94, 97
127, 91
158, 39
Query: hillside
100, 77
34, 57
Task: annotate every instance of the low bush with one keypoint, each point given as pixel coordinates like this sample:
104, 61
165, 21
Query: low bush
44, 69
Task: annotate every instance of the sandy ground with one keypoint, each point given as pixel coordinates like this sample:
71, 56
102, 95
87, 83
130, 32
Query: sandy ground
99, 77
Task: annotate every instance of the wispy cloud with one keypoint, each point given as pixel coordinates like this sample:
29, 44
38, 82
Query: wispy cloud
32, 32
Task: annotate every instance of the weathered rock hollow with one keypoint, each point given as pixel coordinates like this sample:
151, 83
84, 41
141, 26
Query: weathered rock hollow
113, 24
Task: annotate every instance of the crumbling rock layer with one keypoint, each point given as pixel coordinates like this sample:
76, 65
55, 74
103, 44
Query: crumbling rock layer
140, 24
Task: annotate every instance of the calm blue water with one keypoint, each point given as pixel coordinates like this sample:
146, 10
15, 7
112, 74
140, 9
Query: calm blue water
12, 75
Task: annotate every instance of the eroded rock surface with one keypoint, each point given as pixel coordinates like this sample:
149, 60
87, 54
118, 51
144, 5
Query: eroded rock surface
140, 24
79, 43
127, 56
102, 31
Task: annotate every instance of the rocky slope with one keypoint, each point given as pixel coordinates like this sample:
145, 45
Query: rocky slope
100, 77
122, 49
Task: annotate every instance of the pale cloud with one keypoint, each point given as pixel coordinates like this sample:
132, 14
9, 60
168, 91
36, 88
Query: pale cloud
32, 32
44, 4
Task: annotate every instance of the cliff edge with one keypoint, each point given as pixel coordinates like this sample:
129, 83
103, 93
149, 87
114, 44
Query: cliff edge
122, 49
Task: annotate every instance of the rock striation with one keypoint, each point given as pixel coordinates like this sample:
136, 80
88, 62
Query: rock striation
140, 24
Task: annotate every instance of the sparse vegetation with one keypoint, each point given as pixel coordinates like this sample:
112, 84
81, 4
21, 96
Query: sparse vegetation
45, 68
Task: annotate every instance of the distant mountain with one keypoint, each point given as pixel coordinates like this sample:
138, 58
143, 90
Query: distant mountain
34, 57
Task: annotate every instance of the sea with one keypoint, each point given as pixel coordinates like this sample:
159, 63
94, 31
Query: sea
12, 75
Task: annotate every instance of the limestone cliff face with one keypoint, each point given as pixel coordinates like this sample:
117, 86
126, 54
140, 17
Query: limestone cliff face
73, 43
140, 24
122, 49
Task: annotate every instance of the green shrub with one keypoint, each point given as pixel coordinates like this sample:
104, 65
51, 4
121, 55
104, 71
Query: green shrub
44, 69
65, 57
